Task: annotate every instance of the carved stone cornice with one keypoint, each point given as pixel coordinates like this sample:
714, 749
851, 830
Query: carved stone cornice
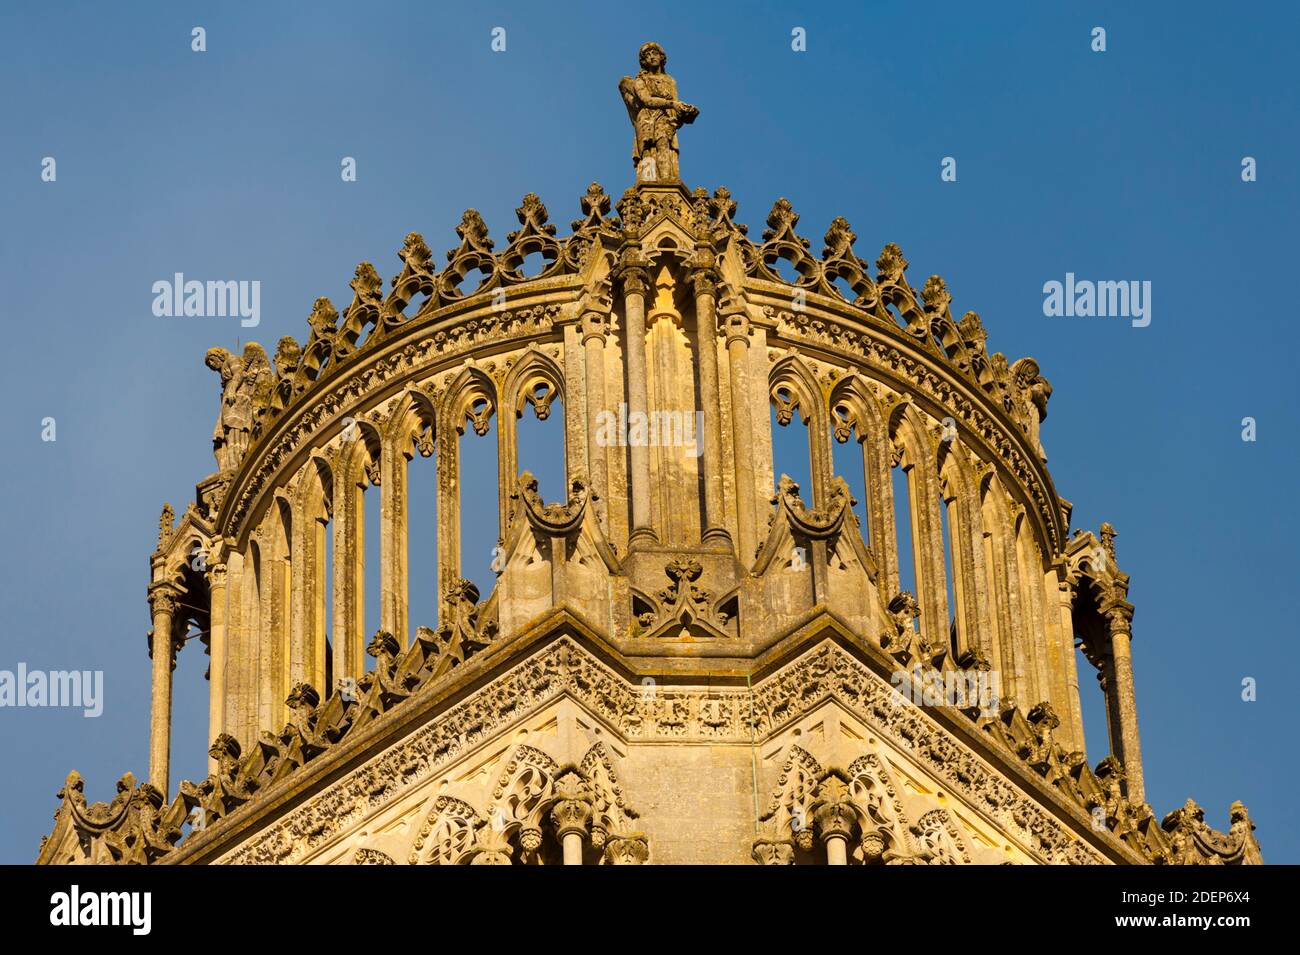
563, 668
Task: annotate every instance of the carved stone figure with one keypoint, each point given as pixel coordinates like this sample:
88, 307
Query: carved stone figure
247, 384
656, 114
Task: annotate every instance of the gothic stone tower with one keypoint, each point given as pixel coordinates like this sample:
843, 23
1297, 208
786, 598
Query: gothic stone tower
692, 658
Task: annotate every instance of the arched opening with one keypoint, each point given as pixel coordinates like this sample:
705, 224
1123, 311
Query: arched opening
246, 661
325, 550
533, 264
786, 269
354, 561
416, 303
791, 447
1029, 574
1091, 643
190, 679
948, 523
370, 529
540, 440
480, 526
907, 551
422, 533
848, 458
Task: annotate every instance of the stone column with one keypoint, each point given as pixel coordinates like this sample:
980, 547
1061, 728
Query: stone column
636, 283
348, 586
1058, 581
163, 598
448, 468
737, 326
217, 655
837, 849
705, 281
594, 326
923, 500
393, 545
572, 815
1121, 701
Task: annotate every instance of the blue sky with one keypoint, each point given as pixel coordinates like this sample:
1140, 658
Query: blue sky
225, 164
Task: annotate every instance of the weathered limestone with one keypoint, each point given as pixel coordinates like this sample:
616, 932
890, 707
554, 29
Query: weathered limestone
218, 649
162, 650
705, 283
688, 659
1123, 703
636, 284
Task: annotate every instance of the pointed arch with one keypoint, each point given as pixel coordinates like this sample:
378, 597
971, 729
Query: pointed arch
360, 449
535, 381
412, 425
917, 456
471, 400
793, 388
279, 606
1008, 649
960, 494
312, 504
1034, 633
854, 412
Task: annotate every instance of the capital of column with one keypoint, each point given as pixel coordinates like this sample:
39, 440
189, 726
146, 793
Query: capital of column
1119, 617
571, 816
833, 813
736, 327
164, 597
627, 850
635, 277
835, 820
572, 813
773, 851
216, 575
595, 326
705, 281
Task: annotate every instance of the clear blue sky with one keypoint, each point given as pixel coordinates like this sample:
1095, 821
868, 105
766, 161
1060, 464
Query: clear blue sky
1116, 165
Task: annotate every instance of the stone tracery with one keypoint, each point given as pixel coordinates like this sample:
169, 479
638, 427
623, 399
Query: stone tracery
679, 565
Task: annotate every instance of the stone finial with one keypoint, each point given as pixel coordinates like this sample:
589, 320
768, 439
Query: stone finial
166, 523
1108, 535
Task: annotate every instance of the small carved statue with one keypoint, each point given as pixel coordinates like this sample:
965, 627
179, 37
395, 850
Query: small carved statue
656, 114
246, 387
